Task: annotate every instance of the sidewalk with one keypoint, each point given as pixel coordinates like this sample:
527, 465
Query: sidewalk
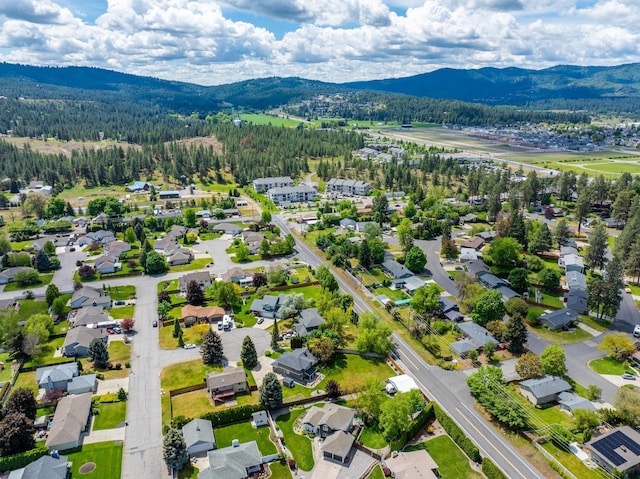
588, 329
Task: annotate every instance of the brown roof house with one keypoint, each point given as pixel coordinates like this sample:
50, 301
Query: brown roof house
201, 314
226, 384
411, 465
474, 243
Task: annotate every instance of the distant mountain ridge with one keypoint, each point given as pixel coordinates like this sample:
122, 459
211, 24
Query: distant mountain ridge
492, 86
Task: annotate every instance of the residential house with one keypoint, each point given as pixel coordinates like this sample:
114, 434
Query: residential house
169, 194
227, 228
8, 303
395, 269
507, 293
8, 275
411, 465
260, 418
46, 467
310, 319
106, 264
348, 223
198, 435
265, 184
572, 262
576, 280
117, 247
543, 390
576, 299
409, 284
268, 306
69, 422
203, 278
40, 242
491, 281
348, 187
337, 447
166, 245
226, 384
239, 461
468, 218
477, 268
101, 219
567, 250
89, 317
90, 296
180, 256
299, 365
324, 421
87, 383
102, 237
77, 341
487, 236
252, 240
616, 450
559, 319
138, 186
56, 376
477, 336
468, 254
474, 243
237, 275
292, 194
570, 402
450, 309
201, 314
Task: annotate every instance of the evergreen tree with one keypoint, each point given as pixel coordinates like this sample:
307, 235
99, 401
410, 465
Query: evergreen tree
23, 401
597, 248
275, 334
42, 261
211, 348
517, 229
248, 354
174, 450
515, 335
176, 329
98, 352
180, 340
562, 232
364, 255
541, 241
270, 392
51, 293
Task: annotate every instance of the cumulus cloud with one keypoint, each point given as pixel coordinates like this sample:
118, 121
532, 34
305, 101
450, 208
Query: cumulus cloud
35, 11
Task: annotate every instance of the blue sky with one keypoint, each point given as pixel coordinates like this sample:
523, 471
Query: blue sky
221, 41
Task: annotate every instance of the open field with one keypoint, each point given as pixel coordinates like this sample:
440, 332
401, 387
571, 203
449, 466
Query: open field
262, 119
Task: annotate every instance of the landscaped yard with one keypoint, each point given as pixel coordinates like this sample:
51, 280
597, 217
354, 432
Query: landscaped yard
372, 438
107, 456
122, 312
597, 324
5, 372
122, 293
571, 462
194, 265
46, 354
168, 285
610, 366
392, 294
192, 334
45, 279
111, 415
245, 432
30, 307
376, 473
185, 374
188, 472
574, 335
299, 446
452, 462
119, 353
27, 380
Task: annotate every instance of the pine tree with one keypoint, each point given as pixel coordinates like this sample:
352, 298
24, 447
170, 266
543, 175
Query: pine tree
364, 255
180, 340
275, 334
98, 352
270, 392
597, 246
52, 293
562, 232
248, 355
42, 261
174, 450
177, 332
515, 335
211, 348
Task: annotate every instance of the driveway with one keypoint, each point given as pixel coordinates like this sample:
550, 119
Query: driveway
112, 385
232, 341
263, 367
324, 469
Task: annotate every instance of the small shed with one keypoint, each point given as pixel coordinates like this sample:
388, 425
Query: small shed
260, 418
289, 382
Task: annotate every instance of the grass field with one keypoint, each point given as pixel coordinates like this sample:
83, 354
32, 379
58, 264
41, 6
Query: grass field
245, 432
122, 293
452, 463
376, 473
571, 462
194, 265
30, 307
111, 415
185, 374
46, 354
45, 279
300, 446
610, 366
262, 119
122, 312
574, 335
372, 438
107, 457
27, 380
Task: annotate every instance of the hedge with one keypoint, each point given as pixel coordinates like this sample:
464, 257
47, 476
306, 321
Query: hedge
231, 415
421, 419
490, 470
17, 461
456, 434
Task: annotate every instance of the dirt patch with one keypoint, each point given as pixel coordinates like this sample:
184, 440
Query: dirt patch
87, 467
204, 141
55, 147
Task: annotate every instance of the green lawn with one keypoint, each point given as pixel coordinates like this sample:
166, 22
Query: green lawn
561, 337
392, 294
27, 380
372, 438
122, 312
192, 404
300, 446
119, 353
597, 324
376, 473
30, 307
279, 471
571, 462
122, 293
5, 373
194, 265
188, 472
45, 279
452, 462
262, 119
168, 285
245, 432
46, 354
107, 457
111, 415
185, 374
610, 366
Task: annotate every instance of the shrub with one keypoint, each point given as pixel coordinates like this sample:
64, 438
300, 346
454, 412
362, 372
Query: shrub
456, 434
267, 353
231, 415
108, 398
490, 470
17, 461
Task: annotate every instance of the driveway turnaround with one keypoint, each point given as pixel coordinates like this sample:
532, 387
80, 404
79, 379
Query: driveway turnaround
232, 341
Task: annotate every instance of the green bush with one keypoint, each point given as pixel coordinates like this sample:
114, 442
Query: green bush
490, 470
231, 415
9, 463
110, 397
456, 434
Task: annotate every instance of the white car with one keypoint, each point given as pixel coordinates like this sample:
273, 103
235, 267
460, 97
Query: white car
190, 346
636, 331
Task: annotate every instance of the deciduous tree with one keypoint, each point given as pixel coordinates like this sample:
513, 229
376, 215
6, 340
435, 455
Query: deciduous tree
195, 293
519, 279
529, 366
374, 335
515, 335
488, 307
504, 251
415, 260
51, 293
426, 300
552, 360
127, 324
21, 400
16, 434
617, 345
549, 278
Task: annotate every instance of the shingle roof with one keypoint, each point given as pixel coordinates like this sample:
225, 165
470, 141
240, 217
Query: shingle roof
573, 401
45, 467
545, 386
396, 269
477, 334
338, 444
82, 336
198, 431
228, 377
232, 462
336, 417
560, 318
58, 372
296, 360
69, 419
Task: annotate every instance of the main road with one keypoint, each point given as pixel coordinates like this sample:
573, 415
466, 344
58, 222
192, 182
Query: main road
446, 388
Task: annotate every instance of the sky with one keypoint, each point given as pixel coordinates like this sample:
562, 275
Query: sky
213, 42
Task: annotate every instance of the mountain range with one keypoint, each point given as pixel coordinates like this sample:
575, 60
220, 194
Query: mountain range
491, 86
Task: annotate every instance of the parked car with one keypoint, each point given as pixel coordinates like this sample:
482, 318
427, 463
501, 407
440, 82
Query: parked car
627, 289
117, 330
219, 325
628, 376
260, 320
110, 331
636, 331
118, 303
189, 346
73, 248
155, 323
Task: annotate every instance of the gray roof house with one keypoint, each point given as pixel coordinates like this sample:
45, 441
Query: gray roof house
310, 319
238, 275
395, 269
8, 274
227, 228
299, 364
293, 194
198, 434
203, 278
326, 420
89, 316
491, 281
233, 462
450, 309
572, 262
477, 268
570, 402
543, 390
264, 184
559, 319
56, 376
576, 299
477, 337
576, 280
46, 467
617, 449
77, 341
69, 422
89, 296
268, 306
337, 447
260, 418
87, 383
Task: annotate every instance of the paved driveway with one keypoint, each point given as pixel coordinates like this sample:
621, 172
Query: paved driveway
112, 385
232, 341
